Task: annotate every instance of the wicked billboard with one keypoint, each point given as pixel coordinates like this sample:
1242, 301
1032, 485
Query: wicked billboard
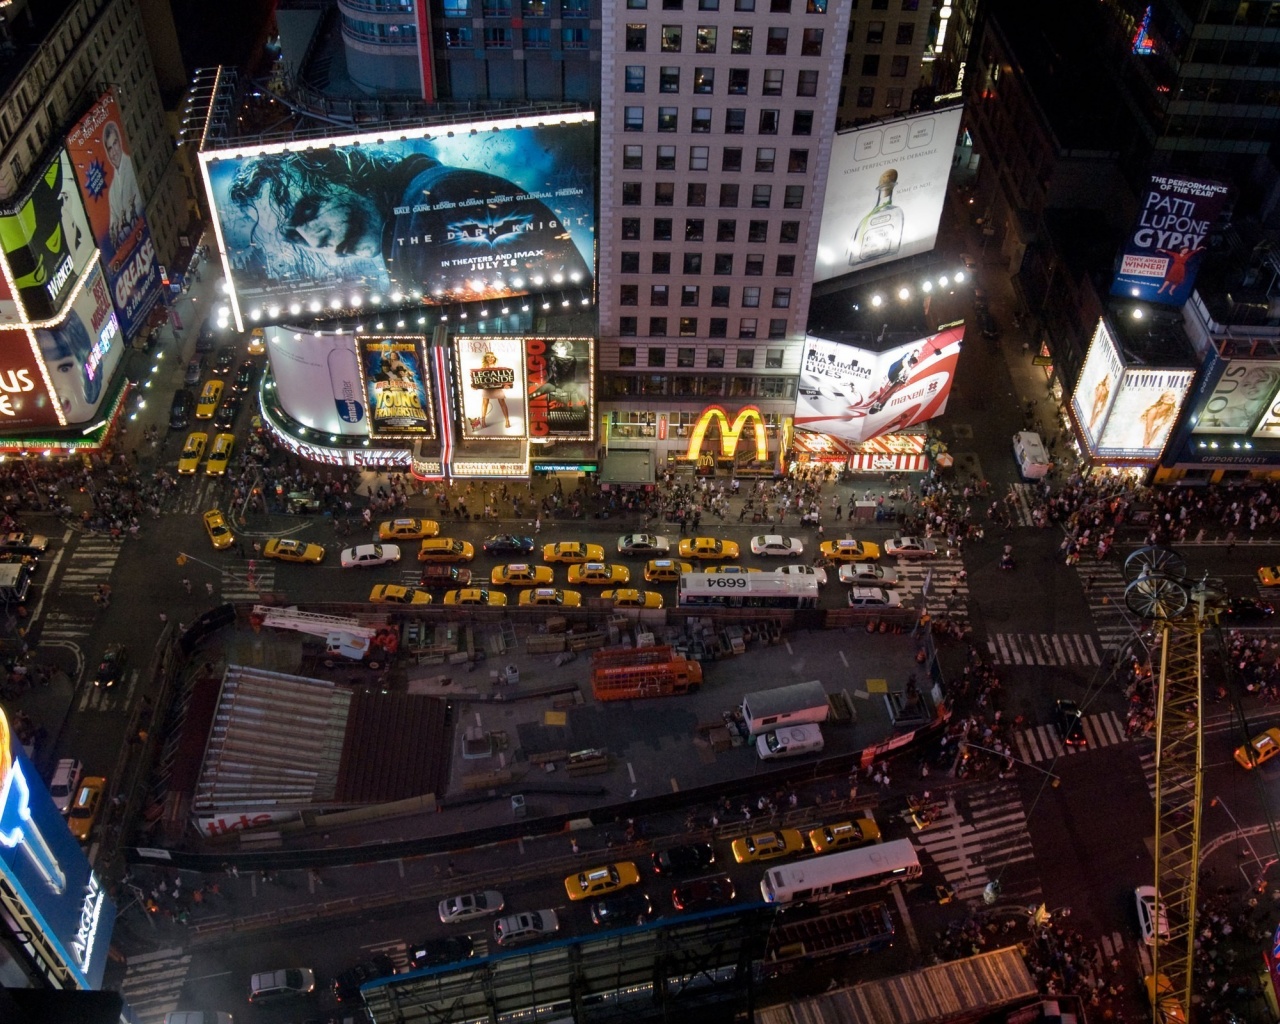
450, 213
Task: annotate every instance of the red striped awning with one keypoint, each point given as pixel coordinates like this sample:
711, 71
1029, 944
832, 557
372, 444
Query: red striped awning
886, 463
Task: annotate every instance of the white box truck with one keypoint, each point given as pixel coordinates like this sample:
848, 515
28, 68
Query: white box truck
797, 704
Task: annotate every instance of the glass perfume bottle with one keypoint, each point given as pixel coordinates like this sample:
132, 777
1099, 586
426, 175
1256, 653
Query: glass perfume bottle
879, 233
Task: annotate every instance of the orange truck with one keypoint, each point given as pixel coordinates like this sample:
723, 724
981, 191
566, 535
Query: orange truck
624, 673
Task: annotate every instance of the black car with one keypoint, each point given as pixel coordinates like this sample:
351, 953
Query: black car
226, 359
225, 419
437, 952
245, 375
346, 986
1069, 719
440, 575
180, 410
507, 544
683, 860
112, 667
988, 325
631, 906
704, 893
1241, 611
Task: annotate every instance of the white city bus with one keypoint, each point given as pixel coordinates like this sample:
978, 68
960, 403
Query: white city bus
821, 878
748, 590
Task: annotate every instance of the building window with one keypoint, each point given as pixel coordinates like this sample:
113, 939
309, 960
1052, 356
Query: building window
802, 122
633, 158
497, 8
661, 263
726, 230
627, 355
699, 158
772, 82
697, 194
701, 120
630, 263
871, 64
746, 357
893, 99
636, 38
630, 196
627, 327
731, 159
728, 198
497, 38
776, 42
685, 357
657, 326
720, 293
667, 118
782, 298
811, 43
693, 229
634, 79
705, 39
629, 295
457, 8
807, 83
747, 329
457, 38
793, 197
673, 5
816, 7
662, 229
632, 5
739, 81
633, 119
750, 297
631, 228
789, 231
693, 264
744, 5
664, 193
708, 5
765, 157
669, 79
704, 80
724, 263
773, 356
906, 33
657, 356
575, 8
768, 122
718, 328
777, 329
866, 96
671, 35
740, 41
735, 121
755, 265
689, 294
798, 161
688, 327
779, 6
761, 196
715, 359
666, 158
758, 231
875, 32
898, 67
911, 5
536, 38
786, 266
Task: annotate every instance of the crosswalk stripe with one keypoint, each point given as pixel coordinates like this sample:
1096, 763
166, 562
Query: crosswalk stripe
971, 852
1042, 743
153, 988
1043, 649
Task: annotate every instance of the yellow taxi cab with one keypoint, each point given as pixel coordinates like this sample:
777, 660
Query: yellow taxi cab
665, 570
285, 550
1259, 750
707, 547
521, 574
1269, 575
407, 529
475, 595
390, 593
767, 845
549, 596
849, 550
572, 552
220, 534
257, 342
730, 570
601, 880
844, 834
209, 399
599, 573
1169, 1009
192, 453
445, 549
220, 454
86, 807
632, 598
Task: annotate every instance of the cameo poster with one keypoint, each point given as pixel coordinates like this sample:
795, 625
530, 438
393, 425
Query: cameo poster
445, 214
491, 379
1162, 254
397, 386
560, 373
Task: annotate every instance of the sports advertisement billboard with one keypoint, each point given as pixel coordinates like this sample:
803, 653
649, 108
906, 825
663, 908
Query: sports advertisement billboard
317, 380
1161, 256
560, 372
1143, 412
885, 189
82, 352
443, 214
1239, 397
46, 242
24, 395
99, 152
398, 387
1098, 384
856, 395
45, 866
491, 386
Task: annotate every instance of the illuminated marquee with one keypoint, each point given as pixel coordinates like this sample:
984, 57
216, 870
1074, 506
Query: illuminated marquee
729, 432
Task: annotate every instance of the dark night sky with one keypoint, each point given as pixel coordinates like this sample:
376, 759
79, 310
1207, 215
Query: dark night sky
225, 32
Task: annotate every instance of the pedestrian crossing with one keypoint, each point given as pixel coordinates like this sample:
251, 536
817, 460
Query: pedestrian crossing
60, 625
1103, 584
153, 983
978, 836
235, 584
1044, 649
948, 586
1021, 502
90, 565
1042, 742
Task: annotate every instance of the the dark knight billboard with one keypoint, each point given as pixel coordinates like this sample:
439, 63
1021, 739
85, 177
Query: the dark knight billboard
446, 214
1162, 254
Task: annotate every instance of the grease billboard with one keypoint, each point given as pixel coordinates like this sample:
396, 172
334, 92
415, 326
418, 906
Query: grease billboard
100, 153
885, 190
24, 397
398, 387
317, 380
491, 386
560, 372
1143, 412
438, 215
1098, 385
83, 350
855, 394
1162, 254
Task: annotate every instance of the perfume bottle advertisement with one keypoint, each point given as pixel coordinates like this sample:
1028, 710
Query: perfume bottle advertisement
886, 185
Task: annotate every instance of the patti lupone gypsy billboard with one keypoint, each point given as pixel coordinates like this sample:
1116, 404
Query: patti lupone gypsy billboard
560, 372
1162, 254
398, 387
99, 152
855, 394
444, 214
491, 386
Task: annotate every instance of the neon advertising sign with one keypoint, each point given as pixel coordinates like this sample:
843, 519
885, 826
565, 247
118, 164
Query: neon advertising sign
729, 432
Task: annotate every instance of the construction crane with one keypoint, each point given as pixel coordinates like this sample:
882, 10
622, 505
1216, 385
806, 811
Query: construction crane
1179, 608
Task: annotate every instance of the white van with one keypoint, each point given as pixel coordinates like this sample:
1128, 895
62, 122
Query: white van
1033, 460
269, 986
789, 742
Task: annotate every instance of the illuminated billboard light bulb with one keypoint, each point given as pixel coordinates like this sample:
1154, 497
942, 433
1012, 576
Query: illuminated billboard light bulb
255, 314
357, 301
399, 323
422, 319
524, 308
576, 276
1137, 312
315, 306
484, 312
295, 308
477, 285
376, 299
959, 277
904, 294
564, 302
943, 281
273, 311
927, 287
586, 301
506, 310
558, 278
517, 282
546, 305
538, 279
335, 304
877, 301
17, 830
397, 296
444, 318
462, 316
378, 326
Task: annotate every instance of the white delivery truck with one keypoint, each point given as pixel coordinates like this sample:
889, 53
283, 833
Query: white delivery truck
1033, 460
789, 742
797, 704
